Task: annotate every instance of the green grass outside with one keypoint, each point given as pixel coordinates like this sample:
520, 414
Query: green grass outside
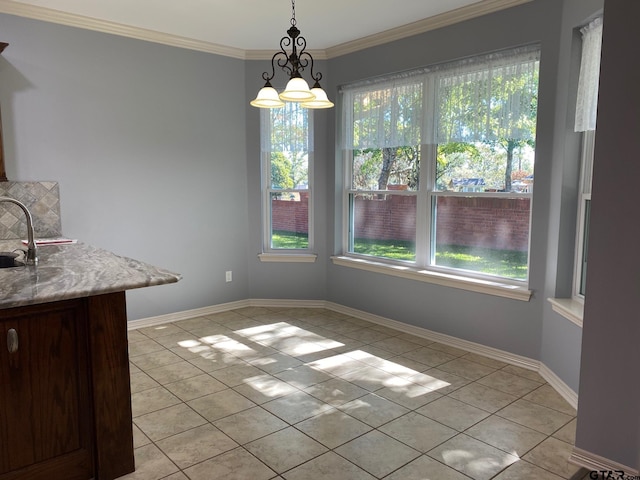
282, 239
503, 263
394, 249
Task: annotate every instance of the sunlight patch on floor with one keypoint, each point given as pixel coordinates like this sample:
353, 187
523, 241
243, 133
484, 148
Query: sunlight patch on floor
357, 366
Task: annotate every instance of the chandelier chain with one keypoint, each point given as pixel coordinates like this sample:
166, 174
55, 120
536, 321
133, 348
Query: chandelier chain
292, 63
293, 13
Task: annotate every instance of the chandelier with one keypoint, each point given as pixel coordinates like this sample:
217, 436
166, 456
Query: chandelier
297, 89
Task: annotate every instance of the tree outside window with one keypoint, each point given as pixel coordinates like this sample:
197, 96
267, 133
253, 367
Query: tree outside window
287, 153
441, 165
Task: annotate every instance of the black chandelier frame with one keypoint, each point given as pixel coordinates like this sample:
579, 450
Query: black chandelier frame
294, 63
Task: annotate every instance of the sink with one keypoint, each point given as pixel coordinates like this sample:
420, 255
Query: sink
9, 260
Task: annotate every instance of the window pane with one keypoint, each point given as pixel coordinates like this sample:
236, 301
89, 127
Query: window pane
290, 219
503, 166
473, 124
390, 168
384, 225
585, 247
287, 145
289, 127
483, 234
387, 117
489, 102
289, 170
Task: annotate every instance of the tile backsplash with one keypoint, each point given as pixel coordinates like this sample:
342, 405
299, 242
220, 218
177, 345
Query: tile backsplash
43, 201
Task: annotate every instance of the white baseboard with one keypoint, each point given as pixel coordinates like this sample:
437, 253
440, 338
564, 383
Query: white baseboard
545, 372
578, 457
185, 314
559, 386
592, 462
284, 303
222, 307
530, 364
483, 350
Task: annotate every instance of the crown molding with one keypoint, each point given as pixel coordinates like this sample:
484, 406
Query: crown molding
458, 15
104, 26
268, 54
483, 7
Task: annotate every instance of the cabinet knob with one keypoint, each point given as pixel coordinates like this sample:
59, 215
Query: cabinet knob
12, 340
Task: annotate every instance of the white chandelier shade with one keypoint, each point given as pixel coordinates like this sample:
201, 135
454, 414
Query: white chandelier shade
293, 63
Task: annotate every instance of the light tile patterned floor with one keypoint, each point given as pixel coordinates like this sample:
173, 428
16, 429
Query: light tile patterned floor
311, 394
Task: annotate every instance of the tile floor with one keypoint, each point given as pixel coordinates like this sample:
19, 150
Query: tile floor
310, 394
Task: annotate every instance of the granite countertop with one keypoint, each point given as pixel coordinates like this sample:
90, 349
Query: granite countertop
73, 271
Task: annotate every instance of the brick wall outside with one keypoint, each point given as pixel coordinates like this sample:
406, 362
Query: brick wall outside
500, 223
291, 215
392, 217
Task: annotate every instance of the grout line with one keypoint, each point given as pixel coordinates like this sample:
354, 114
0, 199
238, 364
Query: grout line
332, 352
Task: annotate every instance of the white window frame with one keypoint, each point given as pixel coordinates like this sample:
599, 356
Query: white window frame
269, 253
424, 268
586, 167
507, 195
585, 122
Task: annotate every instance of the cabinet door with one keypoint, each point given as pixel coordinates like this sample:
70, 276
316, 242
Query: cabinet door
45, 417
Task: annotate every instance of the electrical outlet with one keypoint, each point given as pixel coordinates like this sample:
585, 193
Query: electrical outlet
228, 275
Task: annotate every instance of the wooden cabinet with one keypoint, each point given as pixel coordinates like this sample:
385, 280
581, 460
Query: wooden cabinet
65, 399
45, 415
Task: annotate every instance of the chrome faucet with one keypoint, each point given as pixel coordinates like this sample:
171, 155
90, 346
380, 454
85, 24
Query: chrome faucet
31, 255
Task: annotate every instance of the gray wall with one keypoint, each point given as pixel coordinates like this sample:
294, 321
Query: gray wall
156, 161
157, 155
298, 281
509, 325
148, 144
561, 339
609, 413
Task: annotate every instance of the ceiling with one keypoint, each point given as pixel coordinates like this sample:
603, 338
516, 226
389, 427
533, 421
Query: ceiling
251, 29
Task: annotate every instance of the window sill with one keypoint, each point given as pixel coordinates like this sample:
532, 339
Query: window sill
288, 257
569, 308
456, 281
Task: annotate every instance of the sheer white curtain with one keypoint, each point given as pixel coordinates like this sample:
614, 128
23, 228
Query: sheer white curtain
387, 114
480, 98
489, 98
587, 101
286, 129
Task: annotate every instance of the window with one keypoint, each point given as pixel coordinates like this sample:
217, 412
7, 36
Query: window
584, 210
440, 166
287, 158
585, 122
